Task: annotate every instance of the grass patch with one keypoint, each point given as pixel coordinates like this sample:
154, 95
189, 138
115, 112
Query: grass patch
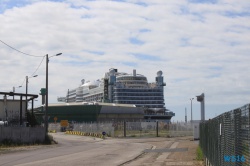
10, 143
199, 154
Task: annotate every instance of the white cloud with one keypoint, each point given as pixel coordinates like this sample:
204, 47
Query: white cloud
199, 47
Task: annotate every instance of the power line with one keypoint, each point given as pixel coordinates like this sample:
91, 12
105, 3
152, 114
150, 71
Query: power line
28, 55
38, 67
18, 50
23, 82
34, 71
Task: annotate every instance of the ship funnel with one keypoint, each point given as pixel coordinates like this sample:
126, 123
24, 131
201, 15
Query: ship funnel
134, 72
83, 81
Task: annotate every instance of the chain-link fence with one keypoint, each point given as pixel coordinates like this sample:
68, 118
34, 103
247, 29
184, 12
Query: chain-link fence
225, 139
152, 129
132, 129
86, 127
95, 128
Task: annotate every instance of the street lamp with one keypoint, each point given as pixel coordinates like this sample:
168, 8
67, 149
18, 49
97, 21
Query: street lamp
14, 90
46, 101
27, 81
191, 110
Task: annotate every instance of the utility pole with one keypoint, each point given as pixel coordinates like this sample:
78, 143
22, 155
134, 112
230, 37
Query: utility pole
191, 110
201, 99
26, 101
46, 99
185, 115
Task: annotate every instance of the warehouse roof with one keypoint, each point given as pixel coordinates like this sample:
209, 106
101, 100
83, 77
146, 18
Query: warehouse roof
91, 103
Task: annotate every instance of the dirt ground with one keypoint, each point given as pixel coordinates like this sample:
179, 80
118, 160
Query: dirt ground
164, 158
186, 156
13, 149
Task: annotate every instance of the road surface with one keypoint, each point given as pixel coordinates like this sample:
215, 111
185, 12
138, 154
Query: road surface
80, 151
76, 150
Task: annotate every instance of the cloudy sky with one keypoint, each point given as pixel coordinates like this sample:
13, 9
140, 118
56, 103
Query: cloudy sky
201, 47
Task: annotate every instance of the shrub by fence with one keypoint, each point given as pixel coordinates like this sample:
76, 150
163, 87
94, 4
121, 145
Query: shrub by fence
225, 139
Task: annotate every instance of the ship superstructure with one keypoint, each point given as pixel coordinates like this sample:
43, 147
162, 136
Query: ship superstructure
123, 88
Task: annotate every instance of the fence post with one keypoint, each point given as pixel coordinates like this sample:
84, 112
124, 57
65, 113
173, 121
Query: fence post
124, 127
157, 129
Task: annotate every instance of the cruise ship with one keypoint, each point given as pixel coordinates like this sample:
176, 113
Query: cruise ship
123, 88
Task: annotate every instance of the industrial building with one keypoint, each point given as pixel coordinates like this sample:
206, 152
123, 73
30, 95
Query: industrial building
10, 110
14, 111
90, 112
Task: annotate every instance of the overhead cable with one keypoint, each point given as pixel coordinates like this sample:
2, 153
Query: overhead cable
18, 50
37, 67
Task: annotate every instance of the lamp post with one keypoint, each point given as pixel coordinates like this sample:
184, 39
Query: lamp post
191, 110
46, 100
27, 81
14, 90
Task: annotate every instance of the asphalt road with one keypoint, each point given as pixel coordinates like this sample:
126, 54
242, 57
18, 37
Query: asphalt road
78, 151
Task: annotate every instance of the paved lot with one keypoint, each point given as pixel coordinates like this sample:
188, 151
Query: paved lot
168, 151
79, 150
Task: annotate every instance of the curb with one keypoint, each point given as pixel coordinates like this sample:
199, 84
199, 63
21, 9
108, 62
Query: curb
52, 131
97, 135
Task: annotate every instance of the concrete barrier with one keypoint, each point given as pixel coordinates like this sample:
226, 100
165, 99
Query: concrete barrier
97, 135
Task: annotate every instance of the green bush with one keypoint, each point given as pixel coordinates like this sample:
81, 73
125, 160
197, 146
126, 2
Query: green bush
199, 154
49, 140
